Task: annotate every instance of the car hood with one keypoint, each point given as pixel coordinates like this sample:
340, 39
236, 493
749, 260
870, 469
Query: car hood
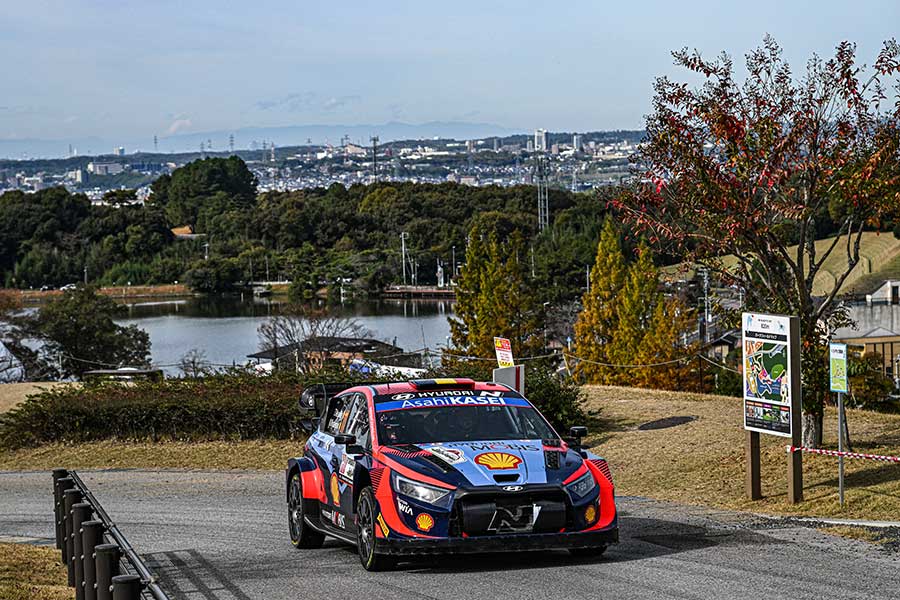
489, 462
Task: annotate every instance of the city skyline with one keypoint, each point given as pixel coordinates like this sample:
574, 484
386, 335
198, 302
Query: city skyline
123, 72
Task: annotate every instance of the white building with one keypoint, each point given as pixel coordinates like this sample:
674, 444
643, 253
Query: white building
107, 168
540, 140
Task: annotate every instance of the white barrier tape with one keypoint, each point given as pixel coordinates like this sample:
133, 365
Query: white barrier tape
894, 459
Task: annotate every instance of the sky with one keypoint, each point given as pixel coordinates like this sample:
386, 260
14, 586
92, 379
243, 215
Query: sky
124, 69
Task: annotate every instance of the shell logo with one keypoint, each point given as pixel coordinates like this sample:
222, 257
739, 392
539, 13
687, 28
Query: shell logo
424, 522
335, 490
497, 460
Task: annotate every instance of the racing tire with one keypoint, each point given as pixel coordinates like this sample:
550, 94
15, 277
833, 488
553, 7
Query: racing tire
365, 534
587, 552
302, 535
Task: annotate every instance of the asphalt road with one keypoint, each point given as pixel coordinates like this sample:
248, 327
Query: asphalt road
223, 535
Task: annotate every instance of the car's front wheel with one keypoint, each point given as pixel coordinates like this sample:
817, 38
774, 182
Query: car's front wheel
365, 534
302, 535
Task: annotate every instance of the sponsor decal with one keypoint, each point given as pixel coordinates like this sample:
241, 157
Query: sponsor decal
424, 522
468, 399
449, 455
335, 490
590, 514
475, 446
336, 518
384, 528
497, 461
348, 465
441, 393
404, 507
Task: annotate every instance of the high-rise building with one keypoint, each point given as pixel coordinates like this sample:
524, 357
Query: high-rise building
576, 142
529, 146
540, 140
120, 151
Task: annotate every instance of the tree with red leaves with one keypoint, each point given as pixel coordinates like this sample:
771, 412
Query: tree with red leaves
755, 169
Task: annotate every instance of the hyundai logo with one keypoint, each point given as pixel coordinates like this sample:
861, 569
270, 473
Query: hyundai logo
513, 488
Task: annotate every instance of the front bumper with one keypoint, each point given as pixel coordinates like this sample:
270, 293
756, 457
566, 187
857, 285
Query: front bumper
499, 543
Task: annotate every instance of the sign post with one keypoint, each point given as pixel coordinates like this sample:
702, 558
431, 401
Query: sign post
837, 371
503, 348
508, 372
771, 393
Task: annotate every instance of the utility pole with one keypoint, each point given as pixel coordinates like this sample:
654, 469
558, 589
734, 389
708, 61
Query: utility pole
532, 263
706, 304
374, 140
85, 275
206, 251
540, 176
403, 236
453, 274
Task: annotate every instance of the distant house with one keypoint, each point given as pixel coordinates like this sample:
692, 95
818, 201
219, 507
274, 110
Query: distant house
881, 340
323, 351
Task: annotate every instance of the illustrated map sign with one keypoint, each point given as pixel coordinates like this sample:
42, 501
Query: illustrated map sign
503, 348
837, 367
767, 377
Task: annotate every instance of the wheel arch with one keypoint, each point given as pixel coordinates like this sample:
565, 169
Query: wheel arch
296, 466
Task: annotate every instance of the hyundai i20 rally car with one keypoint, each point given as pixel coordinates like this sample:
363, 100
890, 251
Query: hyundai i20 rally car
443, 466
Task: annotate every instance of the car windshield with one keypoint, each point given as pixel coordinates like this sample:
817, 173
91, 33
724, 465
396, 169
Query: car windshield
462, 424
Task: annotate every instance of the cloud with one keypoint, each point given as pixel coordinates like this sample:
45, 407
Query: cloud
180, 124
306, 102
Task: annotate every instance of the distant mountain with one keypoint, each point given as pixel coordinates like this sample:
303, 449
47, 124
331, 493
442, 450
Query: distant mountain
289, 135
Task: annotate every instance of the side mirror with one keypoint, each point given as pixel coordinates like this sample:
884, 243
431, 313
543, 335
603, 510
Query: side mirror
354, 450
578, 432
309, 425
345, 439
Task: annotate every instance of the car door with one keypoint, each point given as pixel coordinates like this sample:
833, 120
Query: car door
356, 423
330, 455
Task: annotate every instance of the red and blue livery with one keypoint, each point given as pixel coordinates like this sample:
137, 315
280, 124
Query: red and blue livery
443, 466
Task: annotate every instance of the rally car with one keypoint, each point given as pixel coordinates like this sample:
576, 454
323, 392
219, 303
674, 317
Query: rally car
443, 466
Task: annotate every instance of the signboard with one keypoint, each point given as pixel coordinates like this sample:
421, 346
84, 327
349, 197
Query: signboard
503, 348
837, 367
768, 377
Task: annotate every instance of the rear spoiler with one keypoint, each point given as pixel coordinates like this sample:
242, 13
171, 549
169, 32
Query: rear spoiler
315, 397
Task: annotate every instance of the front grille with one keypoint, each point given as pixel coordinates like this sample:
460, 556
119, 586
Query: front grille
495, 513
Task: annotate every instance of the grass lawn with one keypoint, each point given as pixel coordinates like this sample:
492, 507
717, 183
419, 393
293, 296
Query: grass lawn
32, 573
702, 462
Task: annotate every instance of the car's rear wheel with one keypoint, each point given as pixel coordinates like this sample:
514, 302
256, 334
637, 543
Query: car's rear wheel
365, 534
302, 535
588, 552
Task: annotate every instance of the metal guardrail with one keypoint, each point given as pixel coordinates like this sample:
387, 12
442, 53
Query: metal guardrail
94, 566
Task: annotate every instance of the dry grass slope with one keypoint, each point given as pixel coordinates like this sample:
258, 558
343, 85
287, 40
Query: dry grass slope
702, 462
32, 573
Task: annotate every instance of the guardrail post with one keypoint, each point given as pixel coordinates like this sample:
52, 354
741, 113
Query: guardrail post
80, 513
66, 483
57, 504
107, 558
126, 587
91, 537
71, 498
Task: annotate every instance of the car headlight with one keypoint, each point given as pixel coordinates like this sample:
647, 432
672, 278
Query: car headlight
583, 486
422, 492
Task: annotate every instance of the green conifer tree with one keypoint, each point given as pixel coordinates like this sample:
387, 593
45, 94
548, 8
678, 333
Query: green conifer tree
598, 320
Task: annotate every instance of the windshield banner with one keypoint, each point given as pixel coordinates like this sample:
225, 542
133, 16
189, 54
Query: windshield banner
470, 400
